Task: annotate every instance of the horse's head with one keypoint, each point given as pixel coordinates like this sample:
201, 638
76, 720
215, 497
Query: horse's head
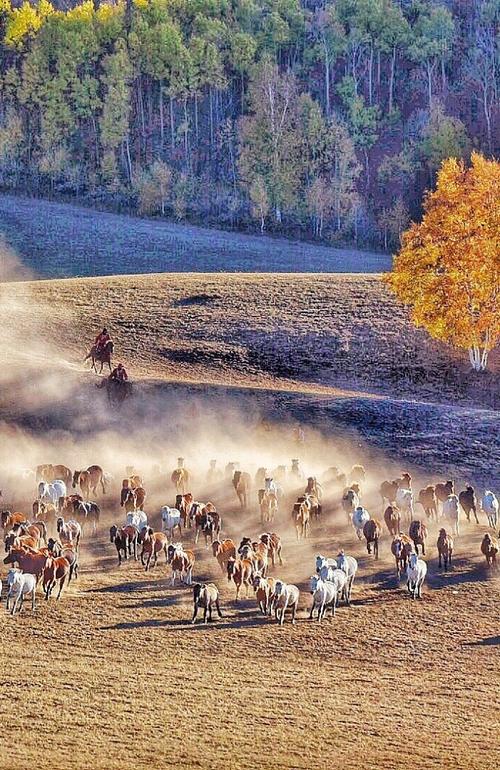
76, 478
60, 524
113, 531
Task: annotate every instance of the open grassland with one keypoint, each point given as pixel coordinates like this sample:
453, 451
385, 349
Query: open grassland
58, 240
114, 676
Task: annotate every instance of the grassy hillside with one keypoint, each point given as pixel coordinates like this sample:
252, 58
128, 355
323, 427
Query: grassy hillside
254, 330
57, 240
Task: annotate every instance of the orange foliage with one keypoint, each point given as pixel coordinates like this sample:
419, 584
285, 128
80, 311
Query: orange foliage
448, 268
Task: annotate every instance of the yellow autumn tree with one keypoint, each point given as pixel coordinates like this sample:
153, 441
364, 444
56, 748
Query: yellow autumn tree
448, 268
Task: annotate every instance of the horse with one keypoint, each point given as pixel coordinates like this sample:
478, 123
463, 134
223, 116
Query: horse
50, 473
242, 484
418, 534
359, 518
443, 490
9, 519
87, 512
272, 541
428, 501
401, 547
445, 549
415, 573
349, 565
56, 570
392, 518
489, 504
314, 488
451, 511
240, 571
489, 548
223, 551
69, 530
137, 519
125, 540
357, 474
20, 584
89, 480
205, 595
128, 500
152, 544
468, 502
180, 477
170, 520
350, 502
100, 355
183, 504
181, 562
372, 531
286, 596
301, 517
263, 588
52, 492
29, 561
268, 504
56, 548
324, 594
388, 491
404, 501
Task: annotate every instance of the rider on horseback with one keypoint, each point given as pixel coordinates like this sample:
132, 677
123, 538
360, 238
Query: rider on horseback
101, 340
119, 374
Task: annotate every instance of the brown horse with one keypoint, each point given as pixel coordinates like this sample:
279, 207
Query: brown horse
401, 547
180, 479
273, 543
56, 570
392, 518
50, 473
468, 501
240, 571
268, 504
102, 356
28, 560
301, 517
445, 549
242, 483
223, 551
89, 480
428, 501
372, 531
418, 533
9, 519
184, 503
489, 548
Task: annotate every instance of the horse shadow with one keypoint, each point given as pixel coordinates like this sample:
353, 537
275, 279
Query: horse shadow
462, 570
488, 641
133, 586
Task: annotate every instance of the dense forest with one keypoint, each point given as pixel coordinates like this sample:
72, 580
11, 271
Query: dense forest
324, 119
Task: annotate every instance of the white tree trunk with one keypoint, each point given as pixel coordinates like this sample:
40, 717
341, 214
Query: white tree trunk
478, 358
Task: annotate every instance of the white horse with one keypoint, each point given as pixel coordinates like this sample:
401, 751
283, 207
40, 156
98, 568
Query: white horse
272, 487
51, 493
451, 511
415, 573
359, 519
286, 596
349, 565
170, 519
323, 561
325, 594
489, 505
20, 584
404, 501
137, 519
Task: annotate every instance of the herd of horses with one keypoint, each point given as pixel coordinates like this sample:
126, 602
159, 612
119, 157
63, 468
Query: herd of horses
43, 547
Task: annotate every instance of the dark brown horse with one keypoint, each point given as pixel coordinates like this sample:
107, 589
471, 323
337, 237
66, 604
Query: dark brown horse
101, 356
372, 531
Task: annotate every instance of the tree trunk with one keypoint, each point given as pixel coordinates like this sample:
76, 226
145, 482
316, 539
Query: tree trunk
478, 358
327, 81
162, 123
391, 80
429, 83
370, 77
172, 124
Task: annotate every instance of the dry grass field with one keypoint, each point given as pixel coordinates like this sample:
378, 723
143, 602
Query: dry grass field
114, 675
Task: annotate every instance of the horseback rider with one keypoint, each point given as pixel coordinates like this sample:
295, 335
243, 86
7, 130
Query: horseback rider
119, 374
101, 340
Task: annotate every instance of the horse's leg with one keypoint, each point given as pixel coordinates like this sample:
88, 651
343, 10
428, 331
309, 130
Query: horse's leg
195, 612
439, 560
61, 584
312, 610
217, 605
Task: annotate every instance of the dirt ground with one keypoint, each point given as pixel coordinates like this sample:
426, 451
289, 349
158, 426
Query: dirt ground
114, 675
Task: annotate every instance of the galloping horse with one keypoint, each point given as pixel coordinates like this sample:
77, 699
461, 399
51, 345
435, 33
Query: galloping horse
180, 477
89, 480
102, 356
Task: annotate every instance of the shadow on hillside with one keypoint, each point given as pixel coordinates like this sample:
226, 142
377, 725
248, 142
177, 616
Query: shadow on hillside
488, 641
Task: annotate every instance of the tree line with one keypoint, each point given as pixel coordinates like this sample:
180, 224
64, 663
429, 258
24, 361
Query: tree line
324, 119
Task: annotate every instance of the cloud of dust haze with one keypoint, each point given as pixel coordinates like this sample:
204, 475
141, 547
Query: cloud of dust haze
52, 412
